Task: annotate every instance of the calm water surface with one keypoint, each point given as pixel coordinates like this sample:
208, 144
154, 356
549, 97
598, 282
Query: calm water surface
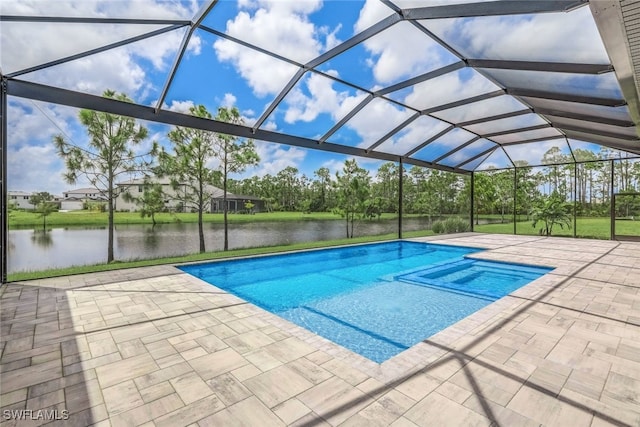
64, 247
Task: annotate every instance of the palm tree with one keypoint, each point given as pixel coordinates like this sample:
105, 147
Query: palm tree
550, 211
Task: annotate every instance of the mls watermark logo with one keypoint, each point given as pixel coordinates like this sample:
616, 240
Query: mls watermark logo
39, 414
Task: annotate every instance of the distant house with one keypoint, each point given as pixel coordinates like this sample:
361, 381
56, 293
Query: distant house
74, 200
235, 202
20, 199
136, 187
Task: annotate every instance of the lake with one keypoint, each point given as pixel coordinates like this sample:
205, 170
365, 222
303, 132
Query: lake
63, 247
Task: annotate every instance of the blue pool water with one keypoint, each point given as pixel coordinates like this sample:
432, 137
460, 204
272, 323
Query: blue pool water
376, 299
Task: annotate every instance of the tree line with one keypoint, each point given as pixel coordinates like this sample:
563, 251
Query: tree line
115, 149
588, 182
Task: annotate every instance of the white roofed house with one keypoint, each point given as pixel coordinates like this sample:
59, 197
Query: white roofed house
20, 199
174, 200
136, 187
75, 199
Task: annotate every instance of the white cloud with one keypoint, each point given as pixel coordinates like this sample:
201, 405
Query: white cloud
448, 88
414, 134
282, 27
30, 122
563, 37
161, 50
149, 9
332, 39
323, 99
371, 13
375, 120
335, 165
275, 157
25, 45
264, 74
269, 125
403, 51
33, 164
279, 28
36, 168
179, 106
533, 153
96, 74
229, 100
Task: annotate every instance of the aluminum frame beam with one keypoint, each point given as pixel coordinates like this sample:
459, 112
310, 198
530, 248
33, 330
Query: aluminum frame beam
608, 18
486, 152
346, 118
518, 130
532, 93
458, 148
355, 40
91, 20
4, 211
70, 98
183, 48
337, 50
496, 117
248, 45
597, 132
94, 51
527, 141
491, 8
422, 78
555, 67
577, 116
284, 92
429, 141
464, 101
393, 131
607, 141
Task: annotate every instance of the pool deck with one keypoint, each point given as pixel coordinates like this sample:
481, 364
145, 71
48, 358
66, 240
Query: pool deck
156, 347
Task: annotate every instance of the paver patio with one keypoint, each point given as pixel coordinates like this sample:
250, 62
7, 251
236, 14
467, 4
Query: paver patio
154, 346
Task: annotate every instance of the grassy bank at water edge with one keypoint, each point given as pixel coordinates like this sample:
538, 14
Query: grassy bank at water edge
595, 228
19, 219
207, 256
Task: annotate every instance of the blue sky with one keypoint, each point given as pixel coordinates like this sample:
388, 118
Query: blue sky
218, 72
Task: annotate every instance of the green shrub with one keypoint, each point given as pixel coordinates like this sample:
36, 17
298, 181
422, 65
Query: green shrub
450, 225
95, 206
438, 227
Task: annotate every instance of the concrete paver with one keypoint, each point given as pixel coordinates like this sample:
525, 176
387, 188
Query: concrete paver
155, 346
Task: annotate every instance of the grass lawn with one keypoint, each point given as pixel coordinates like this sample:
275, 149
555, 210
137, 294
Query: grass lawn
595, 228
19, 219
29, 275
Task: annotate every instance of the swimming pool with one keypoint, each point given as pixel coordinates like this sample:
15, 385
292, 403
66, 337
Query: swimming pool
375, 299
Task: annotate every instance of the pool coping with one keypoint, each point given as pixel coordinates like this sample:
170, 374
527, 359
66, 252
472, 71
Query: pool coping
157, 346
432, 347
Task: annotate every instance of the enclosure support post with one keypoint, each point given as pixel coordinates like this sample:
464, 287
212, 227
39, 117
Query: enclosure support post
612, 210
575, 199
4, 222
473, 183
515, 194
400, 176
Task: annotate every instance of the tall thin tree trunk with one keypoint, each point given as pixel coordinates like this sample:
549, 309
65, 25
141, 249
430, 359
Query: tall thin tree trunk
347, 223
110, 226
224, 202
200, 230
200, 209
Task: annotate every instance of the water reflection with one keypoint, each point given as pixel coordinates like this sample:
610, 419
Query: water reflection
42, 238
64, 247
